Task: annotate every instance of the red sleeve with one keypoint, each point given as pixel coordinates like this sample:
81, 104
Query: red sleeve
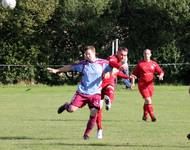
136, 71
113, 62
122, 75
158, 69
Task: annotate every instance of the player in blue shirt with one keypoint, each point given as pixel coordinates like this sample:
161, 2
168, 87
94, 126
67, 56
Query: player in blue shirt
89, 89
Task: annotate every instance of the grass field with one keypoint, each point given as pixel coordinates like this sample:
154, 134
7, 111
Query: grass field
29, 120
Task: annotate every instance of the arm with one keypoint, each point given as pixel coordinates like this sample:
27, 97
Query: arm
122, 75
160, 72
134, 75
65, 68
113, 62
161, 76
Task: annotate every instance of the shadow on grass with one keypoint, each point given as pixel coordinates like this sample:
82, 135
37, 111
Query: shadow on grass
80, 120
26, 138
57, 120
117, 145
122, 145
87, 144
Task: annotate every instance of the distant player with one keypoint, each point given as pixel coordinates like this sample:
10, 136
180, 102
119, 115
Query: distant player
127, 82
145, 71
188, 135
108, 85
89, 89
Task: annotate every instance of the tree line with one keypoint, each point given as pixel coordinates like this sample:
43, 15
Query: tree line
40, 33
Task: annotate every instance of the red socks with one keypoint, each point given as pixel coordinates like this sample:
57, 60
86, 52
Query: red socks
90, 124
145, 113
110, 93
151, 111
148, 109
99, 119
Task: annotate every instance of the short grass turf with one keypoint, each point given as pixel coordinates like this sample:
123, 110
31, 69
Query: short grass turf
29, 120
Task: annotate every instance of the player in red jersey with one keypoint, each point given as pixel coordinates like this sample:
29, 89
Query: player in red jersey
108, 85
145, 71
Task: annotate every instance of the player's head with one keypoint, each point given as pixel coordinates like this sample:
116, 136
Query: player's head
90, 53
122, 53
147, 54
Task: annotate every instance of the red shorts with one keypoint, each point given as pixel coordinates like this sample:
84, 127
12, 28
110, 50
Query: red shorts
146, 90
80, 100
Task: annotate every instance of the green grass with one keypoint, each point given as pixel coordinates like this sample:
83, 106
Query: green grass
28, 120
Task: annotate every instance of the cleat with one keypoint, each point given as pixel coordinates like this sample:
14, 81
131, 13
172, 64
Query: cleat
99, 134
153, 119
62, 108
144, 118
85, 137
108, 103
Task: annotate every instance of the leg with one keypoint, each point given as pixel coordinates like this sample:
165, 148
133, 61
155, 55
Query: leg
70, 108
99, 125
77, 101
99, 133
145, 112
94, 105
149, 107
99, 117
109, 96
127, 83
91, 123
147, 91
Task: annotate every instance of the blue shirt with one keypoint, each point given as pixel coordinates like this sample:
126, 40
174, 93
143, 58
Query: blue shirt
91, 75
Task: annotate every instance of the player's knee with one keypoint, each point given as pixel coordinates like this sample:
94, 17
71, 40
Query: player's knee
93, 111
148, 100
72, 108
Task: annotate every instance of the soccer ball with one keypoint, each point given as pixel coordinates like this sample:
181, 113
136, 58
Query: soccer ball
10, 4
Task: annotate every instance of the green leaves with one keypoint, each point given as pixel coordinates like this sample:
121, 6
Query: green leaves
51, 32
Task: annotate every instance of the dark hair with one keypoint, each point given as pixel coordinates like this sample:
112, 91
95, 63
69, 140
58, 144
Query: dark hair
123, 49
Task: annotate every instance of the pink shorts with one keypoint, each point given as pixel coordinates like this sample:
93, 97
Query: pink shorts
80, 100
146, 90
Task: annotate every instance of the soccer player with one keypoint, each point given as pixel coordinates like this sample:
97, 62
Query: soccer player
89, 89
108, 85
115, 61
188, 135
127, 82
145, 71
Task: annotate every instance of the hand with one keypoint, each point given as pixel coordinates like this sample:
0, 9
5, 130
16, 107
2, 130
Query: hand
107, 75
133, 77
52, 70
160, 77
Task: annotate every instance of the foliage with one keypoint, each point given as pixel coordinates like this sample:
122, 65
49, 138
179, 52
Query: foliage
40, 33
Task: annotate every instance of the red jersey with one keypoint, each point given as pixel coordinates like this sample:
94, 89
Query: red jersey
110, 80
145, 71
114, 61
115, 64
